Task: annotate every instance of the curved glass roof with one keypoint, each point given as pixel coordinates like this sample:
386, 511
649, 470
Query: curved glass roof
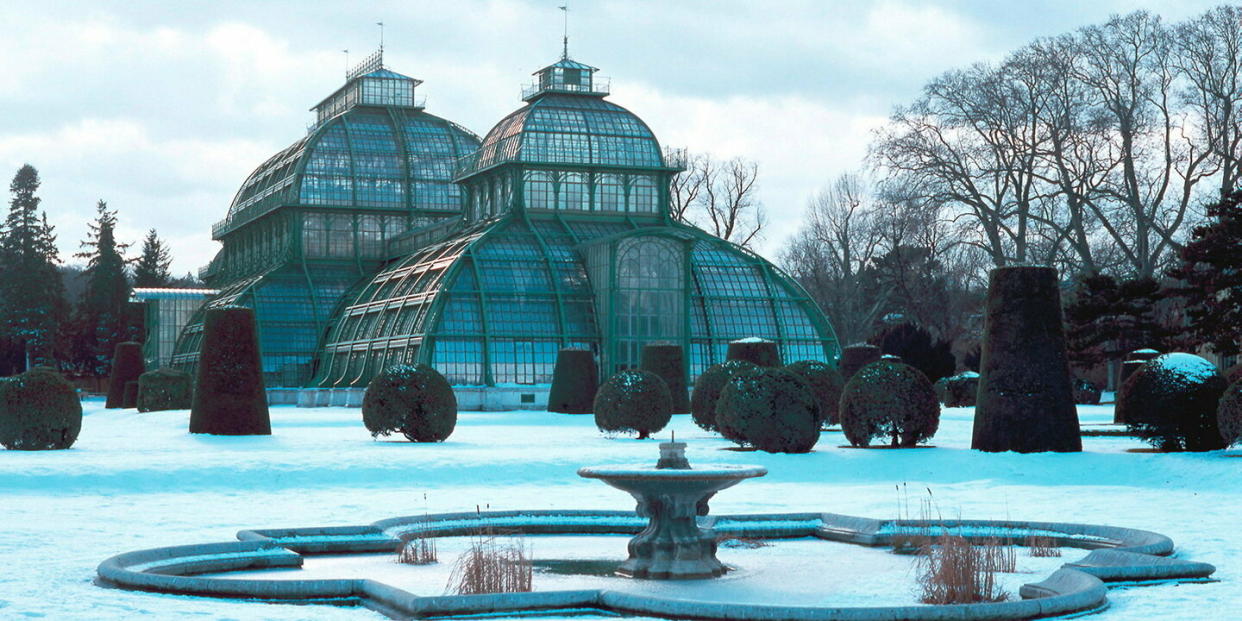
368, 157
569, 129
494, 304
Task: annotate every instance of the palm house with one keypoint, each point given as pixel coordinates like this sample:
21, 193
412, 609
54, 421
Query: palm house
389, 235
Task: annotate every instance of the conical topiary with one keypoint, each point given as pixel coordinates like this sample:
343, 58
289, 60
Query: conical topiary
228, 397
707, 390
127, 365
1026, 398
755, 350
668, 362
130, 401
165, 389
575, 381
855, 357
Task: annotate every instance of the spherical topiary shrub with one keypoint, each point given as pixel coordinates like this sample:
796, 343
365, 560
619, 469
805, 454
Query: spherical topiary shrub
1171, 403
761, 352
1086, 393
770, 409
856, 357
164, 389
1233, 374
39, 410
889, 400
668, 362
228, 396
825, 384
574, 382
1229, 414
707, 390
633, 401
130, 400
1026, 397
961, 390
413, 400
127, 365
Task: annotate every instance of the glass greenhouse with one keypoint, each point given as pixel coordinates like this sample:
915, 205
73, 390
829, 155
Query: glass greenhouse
389, 235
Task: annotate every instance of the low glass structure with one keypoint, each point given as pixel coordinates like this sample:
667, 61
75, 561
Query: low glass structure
166, 311
566, 241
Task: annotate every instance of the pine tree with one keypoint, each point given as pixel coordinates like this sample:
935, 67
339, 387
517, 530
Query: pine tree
1106, 319
32, 308
1210, 273
151, 269
101, 320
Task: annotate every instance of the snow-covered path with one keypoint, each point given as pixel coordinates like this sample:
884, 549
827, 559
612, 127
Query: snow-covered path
139, 480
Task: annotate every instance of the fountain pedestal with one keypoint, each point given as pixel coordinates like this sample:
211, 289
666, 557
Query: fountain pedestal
671, 495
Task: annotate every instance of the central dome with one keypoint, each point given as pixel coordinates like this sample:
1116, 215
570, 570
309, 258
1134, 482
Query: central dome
569, 129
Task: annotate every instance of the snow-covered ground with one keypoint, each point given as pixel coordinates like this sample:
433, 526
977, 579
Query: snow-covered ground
140, 480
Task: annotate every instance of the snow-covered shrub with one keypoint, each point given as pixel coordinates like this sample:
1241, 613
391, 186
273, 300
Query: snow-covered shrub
856, 357
771, 409
668, 362
1229, 414
961, 390
1171, 403
825, 384
1026, 396
228, 394
39, 410
707, 390
633, 401
761, 352
1086, 393
413, 400
164, 389
889, 400
127, 365
574, 382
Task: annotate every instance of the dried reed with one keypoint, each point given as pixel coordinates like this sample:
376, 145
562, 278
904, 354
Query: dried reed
953, 571
416, 549
1043, 547
489, 566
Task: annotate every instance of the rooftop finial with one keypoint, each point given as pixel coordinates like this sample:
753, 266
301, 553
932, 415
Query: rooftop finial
565, 31
381, 27
346, 53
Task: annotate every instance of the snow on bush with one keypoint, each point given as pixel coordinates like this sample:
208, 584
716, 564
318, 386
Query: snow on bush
771, 409
1171, 403
413, 400
707, 390
633, 401
755, 350
889, 400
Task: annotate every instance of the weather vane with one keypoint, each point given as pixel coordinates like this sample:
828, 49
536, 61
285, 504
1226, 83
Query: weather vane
381, 27
565, 32
346, 53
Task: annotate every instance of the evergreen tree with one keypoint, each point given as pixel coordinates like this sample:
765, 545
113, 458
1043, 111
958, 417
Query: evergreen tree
32, 308
151, 269
101, 320
1106, 319
1210, 274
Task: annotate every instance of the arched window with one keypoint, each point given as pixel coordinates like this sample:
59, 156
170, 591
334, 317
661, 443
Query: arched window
538, 190
574, 194
642, 194
609, 193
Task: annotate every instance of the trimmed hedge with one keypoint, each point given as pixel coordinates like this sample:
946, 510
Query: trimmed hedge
228, 396
130, 400
165, 389
890, 400
668, 362
1171, 402
1229, 414
707, 390
771, 409
961, 390
633, 401
127, 365
574, 382
39, 410
413, 400
1026, 398
856, 357
1086, 393
825, 384
761, 352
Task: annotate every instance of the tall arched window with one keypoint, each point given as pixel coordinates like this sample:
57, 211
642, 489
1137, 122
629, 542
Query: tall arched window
538, 190
609, 193
642, 194
650, 292
574, 194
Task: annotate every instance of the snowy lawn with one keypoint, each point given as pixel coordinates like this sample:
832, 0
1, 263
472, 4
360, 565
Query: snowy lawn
139, 481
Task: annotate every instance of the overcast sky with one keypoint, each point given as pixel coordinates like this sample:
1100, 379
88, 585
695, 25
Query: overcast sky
163, 108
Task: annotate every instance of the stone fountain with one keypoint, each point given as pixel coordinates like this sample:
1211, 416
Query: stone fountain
672, 495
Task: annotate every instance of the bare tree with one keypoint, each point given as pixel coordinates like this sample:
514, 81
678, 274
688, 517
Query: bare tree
1208, 55
719, 197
